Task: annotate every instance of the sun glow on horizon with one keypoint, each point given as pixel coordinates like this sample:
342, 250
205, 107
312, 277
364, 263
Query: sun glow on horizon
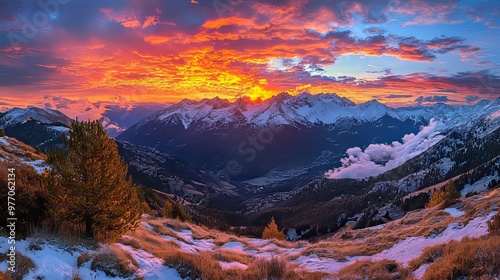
164, 52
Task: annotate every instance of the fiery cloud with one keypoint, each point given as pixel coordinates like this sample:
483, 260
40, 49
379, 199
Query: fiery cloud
164, 51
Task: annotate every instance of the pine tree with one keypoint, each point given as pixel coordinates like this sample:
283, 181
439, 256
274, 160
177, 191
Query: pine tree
146, 208
272, 232
179, 212
88, 183
447, 195
2, 132
167, 209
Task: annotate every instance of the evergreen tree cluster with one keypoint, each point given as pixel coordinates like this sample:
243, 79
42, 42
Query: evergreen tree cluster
415, 202
446, 195
493, 184
175, 211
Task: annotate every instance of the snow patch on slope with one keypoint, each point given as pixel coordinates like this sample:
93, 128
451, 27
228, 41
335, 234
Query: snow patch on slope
478, 186
404, 251
150, 267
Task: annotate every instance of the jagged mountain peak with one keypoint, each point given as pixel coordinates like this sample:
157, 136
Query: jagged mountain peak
216, 102
372, 103
281, 96
303, 109
45, 116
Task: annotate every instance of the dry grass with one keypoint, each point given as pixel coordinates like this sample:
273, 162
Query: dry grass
115, 262
195, 266
18, 150
232, 256
160, 227
424, 222
202, 232
276, 268
221, 238
291, 245
204, 266
151, 242
75, 275
468, 259
429, 255
83, 258
66, 241
5, 276
279, 268
383, 270
367, 242
176, 224
481, 205
23, 266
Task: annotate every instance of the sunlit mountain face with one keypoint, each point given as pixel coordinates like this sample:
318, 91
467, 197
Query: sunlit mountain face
75, 55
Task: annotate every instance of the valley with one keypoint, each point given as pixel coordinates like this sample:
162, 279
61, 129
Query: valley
321, 210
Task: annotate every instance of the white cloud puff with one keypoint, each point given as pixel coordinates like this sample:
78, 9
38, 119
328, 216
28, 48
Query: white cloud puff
379, 158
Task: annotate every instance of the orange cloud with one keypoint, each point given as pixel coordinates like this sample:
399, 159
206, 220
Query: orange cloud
220, 22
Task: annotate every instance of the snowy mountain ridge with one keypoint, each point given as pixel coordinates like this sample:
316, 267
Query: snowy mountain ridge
20, 116
307, 109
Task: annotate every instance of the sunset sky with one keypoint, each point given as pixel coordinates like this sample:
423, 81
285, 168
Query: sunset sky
145, 51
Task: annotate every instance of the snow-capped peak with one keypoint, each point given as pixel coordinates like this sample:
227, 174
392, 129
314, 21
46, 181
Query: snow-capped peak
19, 115
307, 109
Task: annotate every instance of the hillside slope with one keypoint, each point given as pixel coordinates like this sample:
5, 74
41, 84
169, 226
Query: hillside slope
169, 249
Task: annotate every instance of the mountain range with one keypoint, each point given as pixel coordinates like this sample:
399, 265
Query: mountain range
252, 161
246, 141
36, 127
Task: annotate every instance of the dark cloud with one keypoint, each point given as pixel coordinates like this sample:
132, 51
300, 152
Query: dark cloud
385, 71
34, 68
447, 90
399, 96
432, 99
471, 98
374, 30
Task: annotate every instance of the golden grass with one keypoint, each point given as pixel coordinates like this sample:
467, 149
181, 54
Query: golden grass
175, 224
367, 242
5, 276
481, 204
151, 242
83, 258
232, 256
114, 262
23, 266
222, 238
195, 266
429, 255
205, 265
290, 245
382, 270
468, 259
18, 150
279, 268
162, 229
346, 243
423, 222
